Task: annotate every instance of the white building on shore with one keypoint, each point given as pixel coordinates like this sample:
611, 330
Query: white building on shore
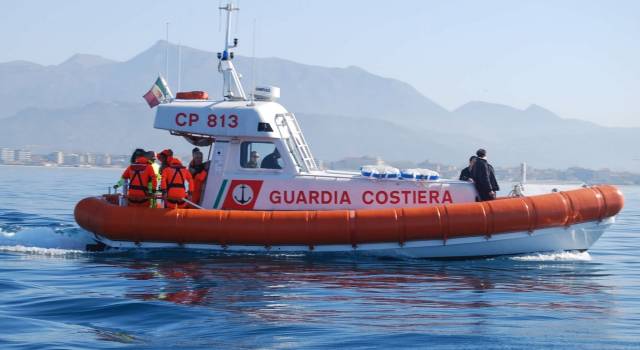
7, 155
22, 156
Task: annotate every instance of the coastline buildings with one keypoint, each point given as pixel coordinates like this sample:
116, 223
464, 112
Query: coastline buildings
22, 156
9, 156
58, 158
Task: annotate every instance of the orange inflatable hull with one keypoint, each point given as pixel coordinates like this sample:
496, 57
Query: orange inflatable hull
353, 227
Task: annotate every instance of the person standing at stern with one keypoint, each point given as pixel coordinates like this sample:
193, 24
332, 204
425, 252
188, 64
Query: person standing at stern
484, 177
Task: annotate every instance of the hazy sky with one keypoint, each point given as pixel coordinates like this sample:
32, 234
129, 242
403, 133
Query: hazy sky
581, 59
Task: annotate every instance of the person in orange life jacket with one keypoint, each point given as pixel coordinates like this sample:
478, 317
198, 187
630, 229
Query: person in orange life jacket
137, 153
198, 171
196, 153
176, 184
165, 158
140, 175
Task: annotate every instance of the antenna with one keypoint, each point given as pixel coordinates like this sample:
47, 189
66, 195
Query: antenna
166, 58
235, 30
179, 66
253, 65
231, 87
219, 16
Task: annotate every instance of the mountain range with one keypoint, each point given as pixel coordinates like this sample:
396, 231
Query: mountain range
90, 103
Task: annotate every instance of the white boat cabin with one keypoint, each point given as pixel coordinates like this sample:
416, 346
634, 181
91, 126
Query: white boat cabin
260, 160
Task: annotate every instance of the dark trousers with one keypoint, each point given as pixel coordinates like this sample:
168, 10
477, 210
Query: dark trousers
486, 196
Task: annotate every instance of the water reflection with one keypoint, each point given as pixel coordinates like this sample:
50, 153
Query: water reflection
300, 289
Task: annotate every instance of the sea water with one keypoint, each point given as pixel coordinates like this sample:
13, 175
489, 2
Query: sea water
55, 295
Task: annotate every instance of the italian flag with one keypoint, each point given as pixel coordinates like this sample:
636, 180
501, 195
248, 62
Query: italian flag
159, 92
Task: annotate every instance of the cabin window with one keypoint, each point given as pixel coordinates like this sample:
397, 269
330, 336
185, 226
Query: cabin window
265, 127
260, 155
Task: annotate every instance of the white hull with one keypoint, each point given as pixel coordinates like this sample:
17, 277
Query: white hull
576, 237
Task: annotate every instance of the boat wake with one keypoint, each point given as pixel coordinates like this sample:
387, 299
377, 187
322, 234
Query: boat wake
40, 251
554, 256
52, 238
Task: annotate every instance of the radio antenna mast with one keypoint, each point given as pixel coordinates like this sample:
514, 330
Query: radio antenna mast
179, 66
253, 64
219, 15
232, 87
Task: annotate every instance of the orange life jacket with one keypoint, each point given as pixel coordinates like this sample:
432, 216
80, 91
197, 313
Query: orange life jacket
198, 183
174, 180
139, 174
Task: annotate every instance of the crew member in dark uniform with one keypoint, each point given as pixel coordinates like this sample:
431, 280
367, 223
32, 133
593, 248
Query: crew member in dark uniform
484, 177
492, 178
465, 174
271, 161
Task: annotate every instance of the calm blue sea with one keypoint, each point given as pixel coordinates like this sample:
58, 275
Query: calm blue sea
53, 295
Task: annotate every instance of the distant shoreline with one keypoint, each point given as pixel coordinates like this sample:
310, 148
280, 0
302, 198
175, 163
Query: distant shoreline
531, 181
63, 166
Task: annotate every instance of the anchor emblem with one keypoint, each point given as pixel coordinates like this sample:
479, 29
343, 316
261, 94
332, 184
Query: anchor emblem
242, 194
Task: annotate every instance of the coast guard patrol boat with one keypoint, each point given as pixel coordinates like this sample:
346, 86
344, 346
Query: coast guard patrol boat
265, 192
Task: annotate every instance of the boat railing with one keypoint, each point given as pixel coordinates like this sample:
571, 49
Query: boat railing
296, 141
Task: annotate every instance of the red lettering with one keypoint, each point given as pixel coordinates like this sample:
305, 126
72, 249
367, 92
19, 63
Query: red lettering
405, 195
382, 197
193, 118
287, 199
212, 120
422, 197
302, 199
364, 197
433, 197
447, 197
233, 121
274, 197
395, 197
345, 199
326, 197
313, 195
178, 122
